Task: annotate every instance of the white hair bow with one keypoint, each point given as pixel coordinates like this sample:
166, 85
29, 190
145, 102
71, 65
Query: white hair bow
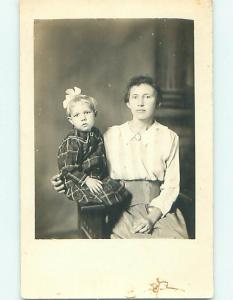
71, 93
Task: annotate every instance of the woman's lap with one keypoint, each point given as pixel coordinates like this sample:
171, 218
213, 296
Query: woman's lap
171, 226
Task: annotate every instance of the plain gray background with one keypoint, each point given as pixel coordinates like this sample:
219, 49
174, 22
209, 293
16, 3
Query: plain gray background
9, 125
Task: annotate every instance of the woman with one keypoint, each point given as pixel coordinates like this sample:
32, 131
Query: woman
145, 156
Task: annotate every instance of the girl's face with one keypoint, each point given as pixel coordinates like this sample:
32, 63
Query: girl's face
142, 101
82, 116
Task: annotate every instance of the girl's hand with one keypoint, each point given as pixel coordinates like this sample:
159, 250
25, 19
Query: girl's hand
94, 185
143, 225
57, 184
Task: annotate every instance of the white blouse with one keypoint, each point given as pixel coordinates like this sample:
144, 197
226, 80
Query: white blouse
152, 155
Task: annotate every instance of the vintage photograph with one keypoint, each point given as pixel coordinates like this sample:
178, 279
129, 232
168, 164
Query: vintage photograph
116, 160
114, 110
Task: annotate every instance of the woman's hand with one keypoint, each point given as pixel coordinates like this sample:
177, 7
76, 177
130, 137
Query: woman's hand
143, 225
57, 184
94, 185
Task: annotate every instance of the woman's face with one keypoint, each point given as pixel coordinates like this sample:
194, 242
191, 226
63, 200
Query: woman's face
142, 101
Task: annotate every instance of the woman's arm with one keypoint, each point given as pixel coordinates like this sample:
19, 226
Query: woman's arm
171, 184
161, 205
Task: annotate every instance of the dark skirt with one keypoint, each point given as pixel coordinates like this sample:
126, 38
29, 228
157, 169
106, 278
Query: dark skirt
172, 225
113, 193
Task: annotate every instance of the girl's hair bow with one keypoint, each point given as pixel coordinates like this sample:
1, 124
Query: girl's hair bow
71, 94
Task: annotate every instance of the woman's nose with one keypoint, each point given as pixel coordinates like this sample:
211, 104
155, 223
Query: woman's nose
140, 101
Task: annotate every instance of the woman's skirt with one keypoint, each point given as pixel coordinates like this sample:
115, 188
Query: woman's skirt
172, 225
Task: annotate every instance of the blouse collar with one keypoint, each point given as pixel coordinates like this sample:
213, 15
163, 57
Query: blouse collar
129, 135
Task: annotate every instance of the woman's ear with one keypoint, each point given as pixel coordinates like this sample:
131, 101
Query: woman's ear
128, 105
96, 113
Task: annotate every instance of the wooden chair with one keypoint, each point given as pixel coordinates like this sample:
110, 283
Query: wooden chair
93, 222
187, 206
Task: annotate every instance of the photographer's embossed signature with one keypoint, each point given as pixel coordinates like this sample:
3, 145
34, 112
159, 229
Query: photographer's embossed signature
158, 286
155, 287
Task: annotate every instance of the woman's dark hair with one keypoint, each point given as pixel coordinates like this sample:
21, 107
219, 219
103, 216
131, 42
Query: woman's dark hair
137, 80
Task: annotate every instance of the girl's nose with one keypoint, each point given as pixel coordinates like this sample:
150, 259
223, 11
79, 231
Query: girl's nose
83, 117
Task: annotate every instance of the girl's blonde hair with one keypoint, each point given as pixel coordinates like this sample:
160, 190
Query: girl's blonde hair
81, 98
74, 96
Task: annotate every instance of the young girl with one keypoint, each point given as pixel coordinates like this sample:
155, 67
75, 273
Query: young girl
81, 156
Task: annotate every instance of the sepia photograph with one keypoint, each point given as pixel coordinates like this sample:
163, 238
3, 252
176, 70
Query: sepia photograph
114, 128
116, 173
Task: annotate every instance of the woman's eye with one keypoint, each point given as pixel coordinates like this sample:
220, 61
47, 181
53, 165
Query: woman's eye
134, 97
87, 112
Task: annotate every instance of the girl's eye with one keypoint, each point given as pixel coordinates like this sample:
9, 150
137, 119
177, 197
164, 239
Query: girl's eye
147, 96
87, 112
134, 96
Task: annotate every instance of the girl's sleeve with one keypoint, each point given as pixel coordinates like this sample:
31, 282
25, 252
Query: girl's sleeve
171, 184
69, 162
102, 152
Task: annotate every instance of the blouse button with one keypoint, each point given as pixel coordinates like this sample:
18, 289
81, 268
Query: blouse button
138, 137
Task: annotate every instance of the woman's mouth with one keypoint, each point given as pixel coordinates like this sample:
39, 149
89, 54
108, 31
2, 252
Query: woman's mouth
140, 110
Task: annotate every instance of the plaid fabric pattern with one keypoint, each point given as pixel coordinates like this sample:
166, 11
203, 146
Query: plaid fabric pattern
82, 154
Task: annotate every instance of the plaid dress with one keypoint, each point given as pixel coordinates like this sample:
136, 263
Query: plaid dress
82, 154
